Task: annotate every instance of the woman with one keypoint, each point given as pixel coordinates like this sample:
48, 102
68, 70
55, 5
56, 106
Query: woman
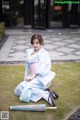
38, 75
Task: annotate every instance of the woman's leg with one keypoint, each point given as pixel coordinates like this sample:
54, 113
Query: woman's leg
49, 98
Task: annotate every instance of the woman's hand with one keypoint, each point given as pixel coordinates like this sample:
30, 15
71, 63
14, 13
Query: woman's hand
30, 77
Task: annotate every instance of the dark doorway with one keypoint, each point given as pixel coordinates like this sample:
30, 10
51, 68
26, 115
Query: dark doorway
40, 14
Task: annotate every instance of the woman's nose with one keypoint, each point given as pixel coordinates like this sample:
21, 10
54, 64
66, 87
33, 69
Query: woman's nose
35, 45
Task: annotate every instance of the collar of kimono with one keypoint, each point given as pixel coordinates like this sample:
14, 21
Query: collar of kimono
40, 51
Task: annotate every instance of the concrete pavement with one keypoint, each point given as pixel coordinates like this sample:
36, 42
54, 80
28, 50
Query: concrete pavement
62, 44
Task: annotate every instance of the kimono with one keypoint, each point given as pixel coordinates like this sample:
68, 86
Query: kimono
34, 90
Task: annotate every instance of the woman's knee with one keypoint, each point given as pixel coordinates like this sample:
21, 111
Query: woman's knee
17, 92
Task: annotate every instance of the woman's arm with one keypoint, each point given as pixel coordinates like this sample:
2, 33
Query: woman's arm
44, 64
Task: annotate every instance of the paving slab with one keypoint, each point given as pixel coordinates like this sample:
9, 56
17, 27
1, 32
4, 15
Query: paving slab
62, 45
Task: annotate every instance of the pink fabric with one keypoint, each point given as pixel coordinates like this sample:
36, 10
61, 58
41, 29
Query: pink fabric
33, 68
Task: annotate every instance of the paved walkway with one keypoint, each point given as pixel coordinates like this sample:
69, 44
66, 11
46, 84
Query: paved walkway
63, 45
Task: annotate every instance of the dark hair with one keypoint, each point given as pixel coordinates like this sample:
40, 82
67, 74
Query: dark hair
39, 37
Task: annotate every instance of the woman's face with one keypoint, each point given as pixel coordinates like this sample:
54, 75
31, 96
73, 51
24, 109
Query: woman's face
36, 45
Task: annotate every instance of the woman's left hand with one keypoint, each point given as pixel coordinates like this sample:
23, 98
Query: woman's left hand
30, 77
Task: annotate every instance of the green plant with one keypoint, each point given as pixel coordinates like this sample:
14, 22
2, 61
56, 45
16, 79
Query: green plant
2, 30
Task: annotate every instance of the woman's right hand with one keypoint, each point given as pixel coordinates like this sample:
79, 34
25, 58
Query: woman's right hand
30, 77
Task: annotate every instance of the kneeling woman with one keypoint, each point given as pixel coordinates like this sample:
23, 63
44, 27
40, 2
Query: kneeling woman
38, 75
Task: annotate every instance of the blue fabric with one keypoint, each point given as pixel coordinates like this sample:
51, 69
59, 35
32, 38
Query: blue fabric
26, 95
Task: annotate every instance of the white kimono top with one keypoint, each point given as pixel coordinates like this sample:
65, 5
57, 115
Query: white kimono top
43, 72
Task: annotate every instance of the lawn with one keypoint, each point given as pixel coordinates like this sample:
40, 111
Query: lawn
66, 84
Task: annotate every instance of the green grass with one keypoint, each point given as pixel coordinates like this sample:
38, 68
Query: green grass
66, 84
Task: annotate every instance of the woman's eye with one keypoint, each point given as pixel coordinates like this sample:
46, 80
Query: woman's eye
36, 42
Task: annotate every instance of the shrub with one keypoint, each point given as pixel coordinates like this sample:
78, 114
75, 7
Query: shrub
2, 30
